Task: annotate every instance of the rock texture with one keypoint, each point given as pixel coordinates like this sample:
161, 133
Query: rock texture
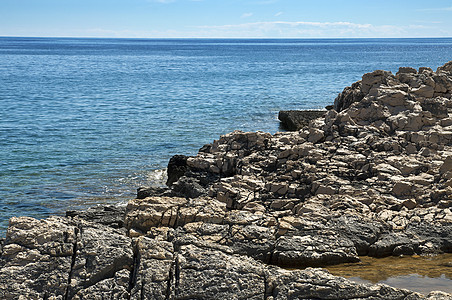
252, 213
297, 119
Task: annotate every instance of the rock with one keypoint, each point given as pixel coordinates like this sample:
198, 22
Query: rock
154, 270
110, 215
350, 95
425, 69
177, 167
294, 120
144, 214
37, 258
59, 258
446, 166
210, 274
376, 78
393, 244
402, 188
409, 203
307, 250
101, 253
445, 68
112, 288
319, 284
424, 91
144, 192
408, 70
189, 187
315, 135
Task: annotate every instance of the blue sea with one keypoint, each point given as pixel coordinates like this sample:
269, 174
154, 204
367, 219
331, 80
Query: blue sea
88, 121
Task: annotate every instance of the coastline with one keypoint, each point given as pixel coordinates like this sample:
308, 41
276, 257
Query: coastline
94, 150
373, 177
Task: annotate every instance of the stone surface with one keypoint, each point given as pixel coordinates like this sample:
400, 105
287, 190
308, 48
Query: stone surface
294, 120
111, 215
176, 168
60, 258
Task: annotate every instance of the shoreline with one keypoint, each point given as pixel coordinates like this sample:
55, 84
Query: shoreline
372, 177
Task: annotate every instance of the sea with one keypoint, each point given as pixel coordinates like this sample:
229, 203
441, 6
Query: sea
86, 121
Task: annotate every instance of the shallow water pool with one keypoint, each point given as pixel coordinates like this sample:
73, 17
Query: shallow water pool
416, 273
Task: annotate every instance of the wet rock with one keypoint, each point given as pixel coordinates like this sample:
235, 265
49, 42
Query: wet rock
393, 244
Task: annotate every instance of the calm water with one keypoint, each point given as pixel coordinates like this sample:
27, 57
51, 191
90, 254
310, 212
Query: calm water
86, 121
416, 273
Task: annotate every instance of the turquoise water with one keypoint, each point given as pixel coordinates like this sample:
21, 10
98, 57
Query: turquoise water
86, 121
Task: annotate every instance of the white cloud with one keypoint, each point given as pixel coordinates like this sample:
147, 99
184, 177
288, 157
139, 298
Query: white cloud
282, 29
246, 15
436, 9
279, 29
288, 29
265, 2
162, 1
278, 14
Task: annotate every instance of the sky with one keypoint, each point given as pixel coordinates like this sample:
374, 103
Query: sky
226, 18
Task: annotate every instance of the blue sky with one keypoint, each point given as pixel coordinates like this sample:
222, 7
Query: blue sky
226, 18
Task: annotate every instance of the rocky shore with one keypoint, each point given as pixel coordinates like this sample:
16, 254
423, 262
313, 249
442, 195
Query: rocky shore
255, 215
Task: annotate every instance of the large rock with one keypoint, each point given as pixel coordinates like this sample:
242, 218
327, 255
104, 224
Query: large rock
37, 258
348, 96
58, 258
293, 120
177, 167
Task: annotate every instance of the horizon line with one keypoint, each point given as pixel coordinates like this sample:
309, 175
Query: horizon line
223, 38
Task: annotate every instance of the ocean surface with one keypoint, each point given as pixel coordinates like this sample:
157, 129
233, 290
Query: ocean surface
87, 121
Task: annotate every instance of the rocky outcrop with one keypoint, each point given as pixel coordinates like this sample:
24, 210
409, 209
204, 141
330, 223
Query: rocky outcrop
62, 258
293, 120
252, 213
177, 167
59, 258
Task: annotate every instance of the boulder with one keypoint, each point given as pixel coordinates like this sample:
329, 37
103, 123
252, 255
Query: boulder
177, 166
348, 96
294, 120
